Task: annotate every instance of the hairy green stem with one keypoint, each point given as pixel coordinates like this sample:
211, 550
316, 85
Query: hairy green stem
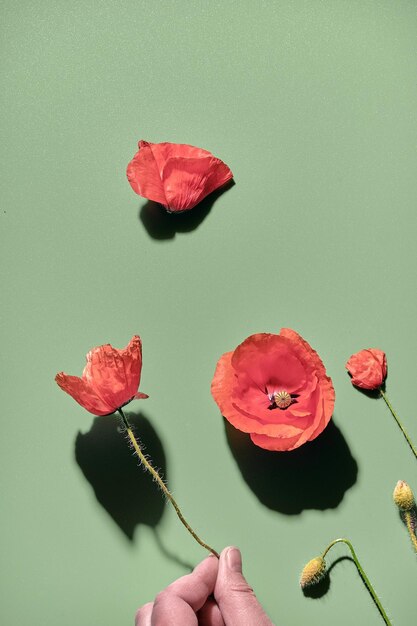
362, 574
410, 527
397, 419
161, 483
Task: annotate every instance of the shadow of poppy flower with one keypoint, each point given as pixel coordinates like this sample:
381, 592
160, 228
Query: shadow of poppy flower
128, 494
315, 476
178, 176
162, 225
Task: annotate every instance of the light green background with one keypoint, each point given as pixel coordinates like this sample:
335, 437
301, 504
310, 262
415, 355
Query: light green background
313, 105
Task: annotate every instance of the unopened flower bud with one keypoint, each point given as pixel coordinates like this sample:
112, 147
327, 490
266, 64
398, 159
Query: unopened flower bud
313, 572
403, 496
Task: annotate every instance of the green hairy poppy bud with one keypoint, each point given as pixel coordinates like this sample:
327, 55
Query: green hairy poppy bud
403, 496
313, 572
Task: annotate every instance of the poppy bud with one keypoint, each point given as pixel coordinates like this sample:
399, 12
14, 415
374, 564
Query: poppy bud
313, 572
368, 368
403, 496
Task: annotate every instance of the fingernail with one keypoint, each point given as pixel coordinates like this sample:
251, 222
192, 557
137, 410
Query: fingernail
234, 560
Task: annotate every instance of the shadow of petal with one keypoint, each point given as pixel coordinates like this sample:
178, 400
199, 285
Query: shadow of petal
314, 476
161, 225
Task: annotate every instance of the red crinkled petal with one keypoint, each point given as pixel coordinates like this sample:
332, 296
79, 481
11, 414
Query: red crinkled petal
187, 181
275, 444
301, 346
144, 174
114, 374
132, 363
223, 381
222, 389
165, 150
83, 394
269, 360
322, 416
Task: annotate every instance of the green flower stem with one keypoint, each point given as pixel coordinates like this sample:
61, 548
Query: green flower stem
410, 528
161, 483
362, 574
397, 419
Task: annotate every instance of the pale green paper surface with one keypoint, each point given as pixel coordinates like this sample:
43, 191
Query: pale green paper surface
313, 106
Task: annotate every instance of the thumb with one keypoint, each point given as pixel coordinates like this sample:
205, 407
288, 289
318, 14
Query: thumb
235, 598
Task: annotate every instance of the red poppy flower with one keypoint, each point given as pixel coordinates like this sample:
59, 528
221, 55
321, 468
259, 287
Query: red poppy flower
368, 368
275, 388
175, 175
110, 379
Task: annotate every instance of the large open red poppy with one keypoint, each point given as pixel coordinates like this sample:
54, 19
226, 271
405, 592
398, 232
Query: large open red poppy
275, 388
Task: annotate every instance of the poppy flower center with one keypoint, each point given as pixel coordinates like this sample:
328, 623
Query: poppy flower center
282, 399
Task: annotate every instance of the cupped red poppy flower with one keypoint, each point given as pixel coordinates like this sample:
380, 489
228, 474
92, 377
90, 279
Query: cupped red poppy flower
176, 175
110, 379
275, 388
368, 368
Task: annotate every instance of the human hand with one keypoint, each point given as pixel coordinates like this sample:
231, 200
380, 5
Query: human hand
214, 594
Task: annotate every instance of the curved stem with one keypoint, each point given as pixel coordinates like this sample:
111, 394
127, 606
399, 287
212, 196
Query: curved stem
161, 484
397, 419
362, 574
410, 528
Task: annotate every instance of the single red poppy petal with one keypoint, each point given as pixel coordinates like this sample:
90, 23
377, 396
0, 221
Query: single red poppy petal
144, 176
223, 382
270, 362
165, 150
222, 389
304, 351
250, 397
83, 394
318, 420
252, 402
188, 181
324, 409
132, 363
250, 423
275, 444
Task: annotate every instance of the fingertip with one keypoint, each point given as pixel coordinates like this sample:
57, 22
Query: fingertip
231, 559
144, 614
